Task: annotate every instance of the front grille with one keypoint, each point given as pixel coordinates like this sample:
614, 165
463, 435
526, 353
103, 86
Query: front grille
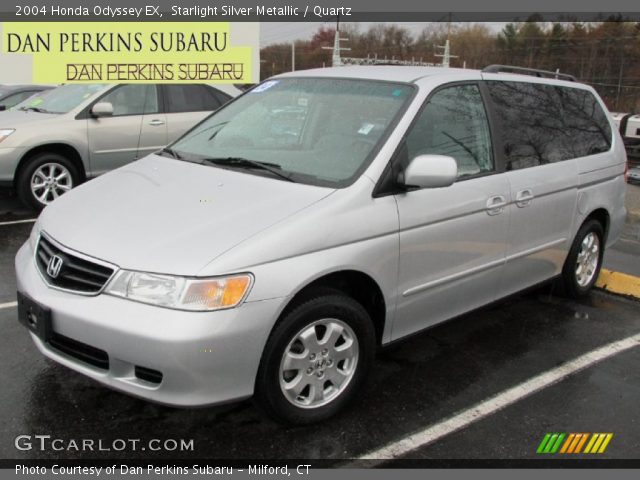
81, 351
76, 274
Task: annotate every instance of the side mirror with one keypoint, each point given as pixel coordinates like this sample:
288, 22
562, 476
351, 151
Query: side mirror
429, 171
3, 108
102, 109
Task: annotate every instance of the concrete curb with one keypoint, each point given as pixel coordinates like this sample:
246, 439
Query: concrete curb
619, 283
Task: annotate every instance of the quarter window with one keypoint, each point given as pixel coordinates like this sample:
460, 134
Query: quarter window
587, 125
454, 123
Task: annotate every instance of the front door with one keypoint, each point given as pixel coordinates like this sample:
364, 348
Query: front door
136, 128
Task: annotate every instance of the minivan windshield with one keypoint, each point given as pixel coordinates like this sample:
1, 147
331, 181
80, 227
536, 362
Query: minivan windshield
61, 99
320, 131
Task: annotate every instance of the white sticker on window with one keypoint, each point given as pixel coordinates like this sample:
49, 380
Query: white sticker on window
366, 128
264, 86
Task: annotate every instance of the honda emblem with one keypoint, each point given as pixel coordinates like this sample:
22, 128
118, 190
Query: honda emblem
54, 266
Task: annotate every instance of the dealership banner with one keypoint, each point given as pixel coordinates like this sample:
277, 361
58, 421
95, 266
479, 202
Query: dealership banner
132, 52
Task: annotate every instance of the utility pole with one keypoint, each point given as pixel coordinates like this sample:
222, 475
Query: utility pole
336, 59
293, 56
446, 54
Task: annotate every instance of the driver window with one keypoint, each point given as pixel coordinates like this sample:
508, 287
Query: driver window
454, 123
132, 99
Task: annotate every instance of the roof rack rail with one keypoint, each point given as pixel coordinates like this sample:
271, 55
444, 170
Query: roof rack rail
529, 71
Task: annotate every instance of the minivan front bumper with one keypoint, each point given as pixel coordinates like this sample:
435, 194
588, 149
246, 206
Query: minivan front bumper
205, 358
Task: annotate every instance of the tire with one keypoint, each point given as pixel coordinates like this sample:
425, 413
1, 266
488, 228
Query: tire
588, 249
339, 361
38, 169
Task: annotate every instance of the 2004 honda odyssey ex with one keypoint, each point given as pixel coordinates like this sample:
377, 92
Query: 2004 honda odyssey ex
324, 213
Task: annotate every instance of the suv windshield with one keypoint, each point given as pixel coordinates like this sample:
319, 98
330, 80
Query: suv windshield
61, 99
321, 131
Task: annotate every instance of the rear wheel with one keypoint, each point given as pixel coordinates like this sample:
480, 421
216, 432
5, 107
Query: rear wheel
316, 359
44, 178
584, 261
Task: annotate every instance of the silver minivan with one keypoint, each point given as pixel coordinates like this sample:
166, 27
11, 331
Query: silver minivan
321, 215
50, 143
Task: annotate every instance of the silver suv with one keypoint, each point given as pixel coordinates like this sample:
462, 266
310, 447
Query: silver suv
273, 248
53, 142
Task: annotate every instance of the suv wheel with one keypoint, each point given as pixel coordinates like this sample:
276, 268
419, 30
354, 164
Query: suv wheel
44, 178
583, 263
316, 359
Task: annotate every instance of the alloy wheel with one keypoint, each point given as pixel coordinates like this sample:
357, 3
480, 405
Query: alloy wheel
49, 181
318, 363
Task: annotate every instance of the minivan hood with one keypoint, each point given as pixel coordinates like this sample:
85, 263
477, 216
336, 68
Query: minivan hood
168, 216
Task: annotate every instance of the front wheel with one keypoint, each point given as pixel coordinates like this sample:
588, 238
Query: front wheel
583, 263
44, 178
316, 359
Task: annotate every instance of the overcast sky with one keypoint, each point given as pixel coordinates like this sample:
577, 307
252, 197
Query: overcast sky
278, 32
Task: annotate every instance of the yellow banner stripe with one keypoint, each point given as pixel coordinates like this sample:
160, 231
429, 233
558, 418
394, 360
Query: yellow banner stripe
567, 443
605, 443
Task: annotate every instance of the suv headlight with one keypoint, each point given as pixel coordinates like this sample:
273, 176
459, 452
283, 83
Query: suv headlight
181, 293
5, 132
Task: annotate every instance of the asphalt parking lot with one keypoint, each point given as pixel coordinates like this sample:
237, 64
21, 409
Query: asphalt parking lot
421, 383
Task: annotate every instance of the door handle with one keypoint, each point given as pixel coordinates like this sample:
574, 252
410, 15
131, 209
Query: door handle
524, 197
496, 204
156, 122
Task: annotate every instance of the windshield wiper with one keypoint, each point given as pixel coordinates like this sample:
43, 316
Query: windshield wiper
34, 109
172, 153
240, 162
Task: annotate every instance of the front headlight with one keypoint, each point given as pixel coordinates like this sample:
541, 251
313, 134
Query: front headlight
182, 293
5, 132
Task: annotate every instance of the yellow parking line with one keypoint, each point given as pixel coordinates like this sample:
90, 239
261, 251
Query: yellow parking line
633, 215
620, 283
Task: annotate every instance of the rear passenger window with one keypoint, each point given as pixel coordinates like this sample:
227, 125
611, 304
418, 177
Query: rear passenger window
190, 98
542, 124
454, 123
